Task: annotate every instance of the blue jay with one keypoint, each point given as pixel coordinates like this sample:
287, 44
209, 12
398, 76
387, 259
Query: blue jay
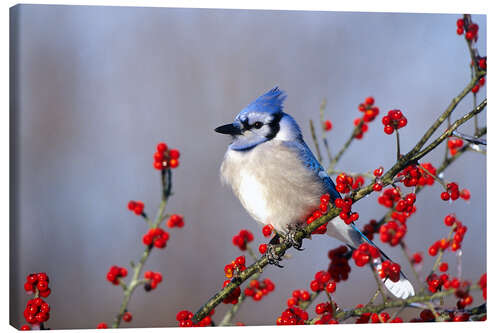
278, 180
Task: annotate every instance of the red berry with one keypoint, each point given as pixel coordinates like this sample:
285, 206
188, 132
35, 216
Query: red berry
369, 100
378, 172
262, 248
443, 267
127, 316
460, 23
465, 194
161, 147
331, 287
267, 230
460, 31
388, 129
131, 205
475, 89
173, 163
25, 328
102, 325
445, 196
377, 187
174, 153
417, 258
482, 63
327, 125
42, 285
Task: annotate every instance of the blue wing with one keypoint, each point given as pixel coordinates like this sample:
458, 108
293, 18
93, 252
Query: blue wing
312, 163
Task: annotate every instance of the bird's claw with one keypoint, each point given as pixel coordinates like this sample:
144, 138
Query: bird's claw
290, 237
273, 257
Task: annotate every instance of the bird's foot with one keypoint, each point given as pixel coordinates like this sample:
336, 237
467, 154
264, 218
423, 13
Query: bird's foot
271, 254
273, 257
293, 229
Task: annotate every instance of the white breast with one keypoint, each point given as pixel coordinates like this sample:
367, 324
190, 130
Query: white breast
272, 184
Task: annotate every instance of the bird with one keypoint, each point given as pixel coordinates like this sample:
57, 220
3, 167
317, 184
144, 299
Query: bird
279, 181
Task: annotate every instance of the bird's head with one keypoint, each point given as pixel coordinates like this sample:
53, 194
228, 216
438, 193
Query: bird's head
261, 121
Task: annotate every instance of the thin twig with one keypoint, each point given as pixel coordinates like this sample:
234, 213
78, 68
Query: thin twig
166, 180
315, 140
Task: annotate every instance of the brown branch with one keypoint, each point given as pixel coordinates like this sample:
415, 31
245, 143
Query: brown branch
449, 131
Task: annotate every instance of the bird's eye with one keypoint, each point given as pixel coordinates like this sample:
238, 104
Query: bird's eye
258, 125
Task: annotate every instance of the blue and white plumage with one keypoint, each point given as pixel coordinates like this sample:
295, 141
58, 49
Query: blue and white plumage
276, 177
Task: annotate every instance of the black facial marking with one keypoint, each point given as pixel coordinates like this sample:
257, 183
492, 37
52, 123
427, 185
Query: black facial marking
274, 126
245, 124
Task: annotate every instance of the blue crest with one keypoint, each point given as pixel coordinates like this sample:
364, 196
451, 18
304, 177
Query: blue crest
271, 103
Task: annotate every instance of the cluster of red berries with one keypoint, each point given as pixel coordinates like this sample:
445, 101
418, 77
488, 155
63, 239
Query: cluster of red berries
136, 206
242, 238
339, 268
37, 281
471, 29
115, 273
390, 270
346, 215
322, 209
233, 296
323, 281
327, 125
482, 285
364, 253
392, 232
362, 130
458, 236
370, 113
478, 85
37, 311
415, 175
185, 319
389, 197
404, 207
165, 158
236, 266
394, 120
346, 183
293, 316
456, 242
156, 237
298, 296
370, 110
154, 278
370, 229
326, 311
454, 144
257, 289
175, 221
462, 293
407, 204
267, 230
453, 193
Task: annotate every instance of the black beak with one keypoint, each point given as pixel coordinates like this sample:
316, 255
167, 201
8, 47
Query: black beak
228, 129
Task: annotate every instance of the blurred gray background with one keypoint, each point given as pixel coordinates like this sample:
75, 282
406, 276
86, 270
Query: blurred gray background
95, 88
